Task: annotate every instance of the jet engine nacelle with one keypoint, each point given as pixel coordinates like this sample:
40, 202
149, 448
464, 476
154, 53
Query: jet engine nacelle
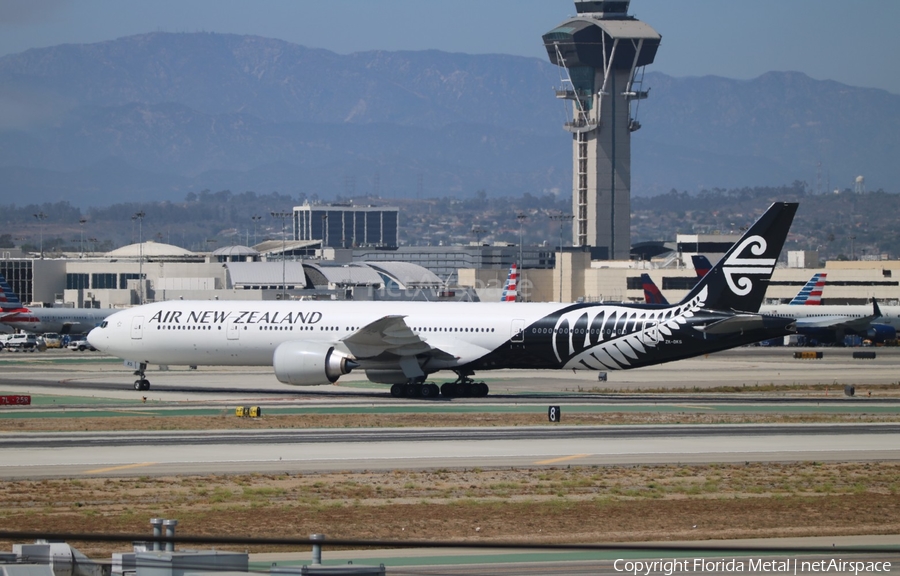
881, 333
309, 363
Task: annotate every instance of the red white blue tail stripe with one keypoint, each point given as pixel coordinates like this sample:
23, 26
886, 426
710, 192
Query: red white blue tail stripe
510, 289
811, 293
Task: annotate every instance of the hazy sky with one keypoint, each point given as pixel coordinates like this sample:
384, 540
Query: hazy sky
854, 42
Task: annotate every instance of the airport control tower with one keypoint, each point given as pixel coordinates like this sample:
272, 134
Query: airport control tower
602, 51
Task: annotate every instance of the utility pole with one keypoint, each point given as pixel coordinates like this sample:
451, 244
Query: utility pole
139, 216
82, 221
256, 218
40, 218
521, 217
282, 215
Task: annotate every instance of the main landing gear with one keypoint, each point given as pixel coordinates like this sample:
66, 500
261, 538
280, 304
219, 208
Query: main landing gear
141, 383
462, 387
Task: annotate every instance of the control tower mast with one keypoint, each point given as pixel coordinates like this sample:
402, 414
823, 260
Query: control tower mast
602, 49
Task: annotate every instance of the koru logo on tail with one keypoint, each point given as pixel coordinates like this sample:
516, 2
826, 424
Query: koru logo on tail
743, 266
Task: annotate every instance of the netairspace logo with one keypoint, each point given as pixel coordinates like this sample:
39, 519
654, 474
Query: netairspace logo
749, 565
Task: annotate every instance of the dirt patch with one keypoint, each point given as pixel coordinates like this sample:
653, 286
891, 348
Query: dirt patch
556, 504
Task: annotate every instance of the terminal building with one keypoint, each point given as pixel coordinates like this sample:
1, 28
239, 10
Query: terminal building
361, 259
347, 225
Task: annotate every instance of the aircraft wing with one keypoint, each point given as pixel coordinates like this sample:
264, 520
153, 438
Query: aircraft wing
390, 336
10, 313
836, 322
839, 322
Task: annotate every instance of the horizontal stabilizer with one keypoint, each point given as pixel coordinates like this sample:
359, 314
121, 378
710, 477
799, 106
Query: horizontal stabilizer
737, 323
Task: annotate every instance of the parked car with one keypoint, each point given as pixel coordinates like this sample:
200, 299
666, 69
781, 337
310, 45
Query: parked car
81, 345
24, 343
52, 340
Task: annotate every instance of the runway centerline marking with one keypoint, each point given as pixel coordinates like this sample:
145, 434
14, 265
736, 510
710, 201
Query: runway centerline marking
562, 459
123, 467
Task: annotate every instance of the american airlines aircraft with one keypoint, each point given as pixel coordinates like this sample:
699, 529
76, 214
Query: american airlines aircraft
510, 289
40, 320
828, 321
401, 343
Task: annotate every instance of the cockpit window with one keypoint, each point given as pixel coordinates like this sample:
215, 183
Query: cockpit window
103, 324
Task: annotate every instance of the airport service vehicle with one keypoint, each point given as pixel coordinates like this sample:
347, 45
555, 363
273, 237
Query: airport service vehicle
23, 343
402, 343
80, 345
39, 320
52, 340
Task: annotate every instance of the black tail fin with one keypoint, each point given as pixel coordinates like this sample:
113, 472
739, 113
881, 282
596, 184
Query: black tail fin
739, 280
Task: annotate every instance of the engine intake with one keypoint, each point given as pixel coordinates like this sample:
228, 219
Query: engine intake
310, 363
880, 333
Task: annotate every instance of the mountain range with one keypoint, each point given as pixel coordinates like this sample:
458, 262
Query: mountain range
157, 116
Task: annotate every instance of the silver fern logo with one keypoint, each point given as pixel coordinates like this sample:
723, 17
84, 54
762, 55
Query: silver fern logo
743, 266
614, 337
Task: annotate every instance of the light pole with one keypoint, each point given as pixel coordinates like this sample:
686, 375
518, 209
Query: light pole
82, 221
139, 216
40, 218
256, 218
282, 215
521, 217
477, 233
561, 218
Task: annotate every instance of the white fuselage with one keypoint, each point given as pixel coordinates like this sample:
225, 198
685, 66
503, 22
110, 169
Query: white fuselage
242, 333
890, 315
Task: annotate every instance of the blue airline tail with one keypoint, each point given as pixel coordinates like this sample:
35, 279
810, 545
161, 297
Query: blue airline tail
652, 295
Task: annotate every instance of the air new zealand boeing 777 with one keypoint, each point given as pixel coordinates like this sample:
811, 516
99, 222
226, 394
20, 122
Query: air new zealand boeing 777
402, 343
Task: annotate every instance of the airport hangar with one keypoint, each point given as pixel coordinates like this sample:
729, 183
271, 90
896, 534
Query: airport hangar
343, 265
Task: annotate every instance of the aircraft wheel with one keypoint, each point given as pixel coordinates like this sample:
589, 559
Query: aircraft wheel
480, 390
413, 390
398, 390
448, 390
464, 389
427, 391
138, 385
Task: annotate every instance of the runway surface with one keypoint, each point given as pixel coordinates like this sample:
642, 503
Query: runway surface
42, 455
65, 383
70, 383
62, 372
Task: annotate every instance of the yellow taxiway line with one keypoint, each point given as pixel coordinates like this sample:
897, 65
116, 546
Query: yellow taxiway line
563, 459
114, 468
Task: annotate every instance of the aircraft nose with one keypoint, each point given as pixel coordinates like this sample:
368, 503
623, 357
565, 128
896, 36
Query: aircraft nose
94, 338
